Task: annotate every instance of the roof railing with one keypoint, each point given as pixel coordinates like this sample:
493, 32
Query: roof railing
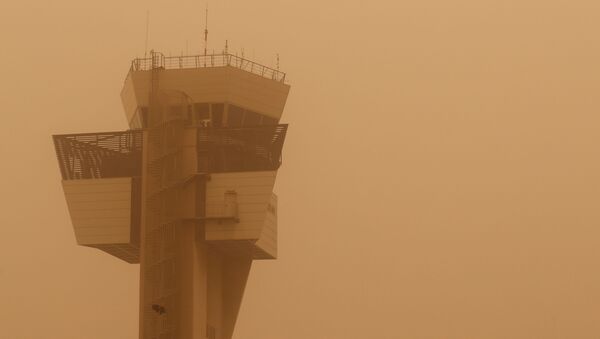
205, 61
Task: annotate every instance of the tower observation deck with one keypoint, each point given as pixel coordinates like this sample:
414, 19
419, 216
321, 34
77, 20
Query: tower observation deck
187, 191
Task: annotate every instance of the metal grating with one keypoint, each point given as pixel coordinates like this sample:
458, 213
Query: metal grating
240, 149
99, 155
127, 252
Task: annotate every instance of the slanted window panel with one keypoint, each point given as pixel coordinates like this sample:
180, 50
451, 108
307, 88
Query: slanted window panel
235, 116
188, 116
136, 122
143, 112
202, 113
269, 121
175, 112
217, 114
252, 119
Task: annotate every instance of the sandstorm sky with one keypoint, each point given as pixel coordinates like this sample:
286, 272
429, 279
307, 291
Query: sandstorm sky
441, 176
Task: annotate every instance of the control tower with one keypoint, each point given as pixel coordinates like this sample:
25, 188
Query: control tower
187, 191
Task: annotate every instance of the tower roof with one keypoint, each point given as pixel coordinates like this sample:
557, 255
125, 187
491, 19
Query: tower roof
215, 78
207, 61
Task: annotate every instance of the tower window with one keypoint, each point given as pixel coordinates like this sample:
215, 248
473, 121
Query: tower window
217, 114
175, 112
235, 116
252, 119
188, 115
143, 116
201, 112
269, 121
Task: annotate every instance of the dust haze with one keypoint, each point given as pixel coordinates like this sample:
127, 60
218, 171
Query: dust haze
440, 176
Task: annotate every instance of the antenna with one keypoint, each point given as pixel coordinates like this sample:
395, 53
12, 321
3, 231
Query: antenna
278, 62
147, 26
206, 30
226, 47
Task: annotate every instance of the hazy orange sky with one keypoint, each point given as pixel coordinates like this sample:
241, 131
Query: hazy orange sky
441, 175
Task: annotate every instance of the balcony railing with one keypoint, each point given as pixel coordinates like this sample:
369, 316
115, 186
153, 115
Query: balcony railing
204, 61
240, 149
119, 154
99, 155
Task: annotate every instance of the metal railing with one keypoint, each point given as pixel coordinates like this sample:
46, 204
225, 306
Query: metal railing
99, 155
204, 61
241, 149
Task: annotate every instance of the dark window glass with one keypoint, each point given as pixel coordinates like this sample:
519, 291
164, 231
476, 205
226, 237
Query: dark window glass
144, 116
201, 111
234, 116
188, 116
136, 121
217, 114
269, 121
175, 112
252, 119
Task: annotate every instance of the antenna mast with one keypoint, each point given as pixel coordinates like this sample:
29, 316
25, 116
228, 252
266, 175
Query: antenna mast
206, 31
147, 26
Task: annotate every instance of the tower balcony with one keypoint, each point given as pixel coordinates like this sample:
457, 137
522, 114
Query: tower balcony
102, 184
244, 149
101, 180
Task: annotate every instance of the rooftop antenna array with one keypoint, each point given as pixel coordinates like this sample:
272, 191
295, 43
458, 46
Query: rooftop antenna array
147, 28
206, 30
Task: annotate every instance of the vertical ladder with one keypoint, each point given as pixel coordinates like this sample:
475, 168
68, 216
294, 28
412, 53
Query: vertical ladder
163, 170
